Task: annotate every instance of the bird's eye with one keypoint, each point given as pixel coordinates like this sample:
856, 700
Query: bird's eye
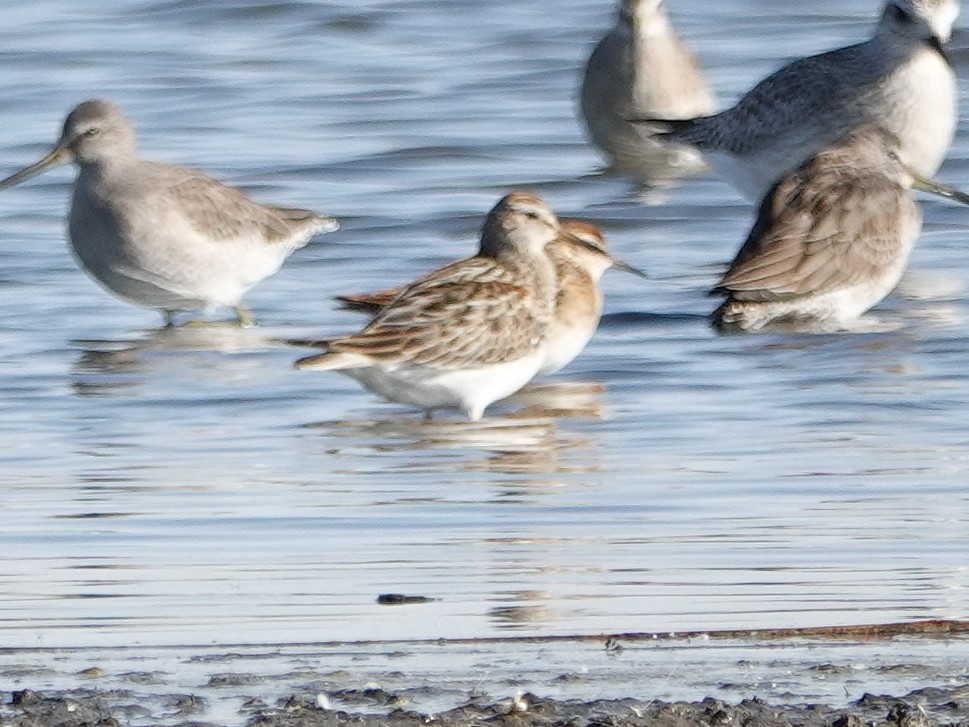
93, 132
531, 214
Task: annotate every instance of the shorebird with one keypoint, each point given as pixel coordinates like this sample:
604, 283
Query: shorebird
578, 300
831, 239
900, 79
469, 333
642, 68
164, 236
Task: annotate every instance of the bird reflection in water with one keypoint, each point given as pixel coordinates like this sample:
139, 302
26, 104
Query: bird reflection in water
116, 367
527, 610
525, 442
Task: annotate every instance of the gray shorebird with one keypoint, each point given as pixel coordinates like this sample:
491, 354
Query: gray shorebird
642, 68
578, 299
831, 239
900, 79
467, 334
163, 236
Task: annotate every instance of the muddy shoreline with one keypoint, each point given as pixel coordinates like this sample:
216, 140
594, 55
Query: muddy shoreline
836, 677
924, 707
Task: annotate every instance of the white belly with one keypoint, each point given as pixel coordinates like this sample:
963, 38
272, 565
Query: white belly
564, 344
469, 389
171, 267
824, 312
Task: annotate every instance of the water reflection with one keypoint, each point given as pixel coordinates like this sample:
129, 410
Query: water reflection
527, 441
659, 174
108, 355
527, 609
184, 455
118, 367
560, 399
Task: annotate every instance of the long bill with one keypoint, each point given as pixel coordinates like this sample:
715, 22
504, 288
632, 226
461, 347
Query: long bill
590, 245
58, 156
620, 265
943, 190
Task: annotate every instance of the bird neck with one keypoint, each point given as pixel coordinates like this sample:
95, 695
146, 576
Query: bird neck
904, 34
105, 169
651, 25
535, 269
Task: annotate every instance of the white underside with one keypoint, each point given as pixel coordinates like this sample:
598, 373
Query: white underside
748, 175
828, 311
180, 277
564, 344
155, 257
471, 389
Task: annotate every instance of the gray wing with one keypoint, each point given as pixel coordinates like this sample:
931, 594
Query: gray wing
221, 212
820, 232
817, 87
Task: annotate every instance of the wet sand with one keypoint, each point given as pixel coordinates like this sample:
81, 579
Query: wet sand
909, 675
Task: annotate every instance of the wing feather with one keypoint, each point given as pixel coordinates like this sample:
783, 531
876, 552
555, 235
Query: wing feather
221, 212
821, 229
450, 319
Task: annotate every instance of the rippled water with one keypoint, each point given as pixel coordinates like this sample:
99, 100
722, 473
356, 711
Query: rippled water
189, 487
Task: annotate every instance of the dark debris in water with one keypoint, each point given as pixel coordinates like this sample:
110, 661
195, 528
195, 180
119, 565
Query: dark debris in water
929, 707
402, 599
29, 709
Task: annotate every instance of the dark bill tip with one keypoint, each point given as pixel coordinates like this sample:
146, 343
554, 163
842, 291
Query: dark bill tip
620, 265
942, 190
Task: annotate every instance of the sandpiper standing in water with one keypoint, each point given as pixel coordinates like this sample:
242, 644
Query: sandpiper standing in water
580, 257
832, 239
642, 68
900, 79
163, 236
467, 334
578, 298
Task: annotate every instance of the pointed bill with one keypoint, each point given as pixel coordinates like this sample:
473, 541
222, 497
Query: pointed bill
942, 190
58, 156
590, 245
620, 265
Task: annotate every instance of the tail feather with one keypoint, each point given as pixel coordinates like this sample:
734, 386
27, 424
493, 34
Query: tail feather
307, 342
684, 130
369, 303
332, 361
307, 220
